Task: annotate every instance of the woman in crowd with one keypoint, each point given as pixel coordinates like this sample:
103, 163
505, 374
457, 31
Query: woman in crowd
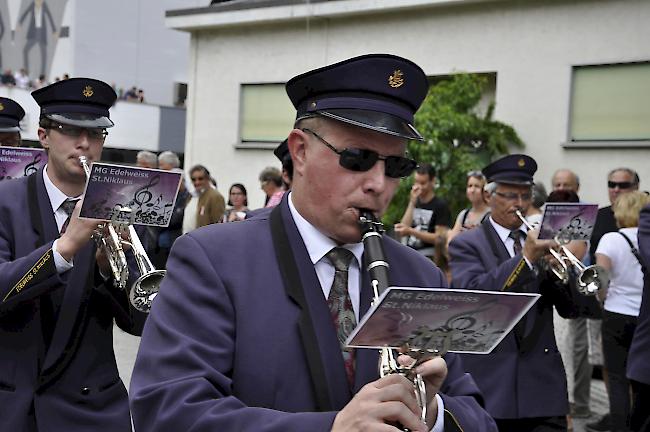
472, 216
617, 253
238, 202
272, 185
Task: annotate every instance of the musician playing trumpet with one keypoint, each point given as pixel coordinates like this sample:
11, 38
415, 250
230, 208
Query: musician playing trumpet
248, 331
523, 379
57, 300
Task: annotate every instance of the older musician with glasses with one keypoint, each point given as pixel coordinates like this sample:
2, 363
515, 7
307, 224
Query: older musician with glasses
523, 379
56, 309
264, 349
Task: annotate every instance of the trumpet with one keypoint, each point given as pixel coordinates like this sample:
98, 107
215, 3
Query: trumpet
110, 236
590, 278
377, 267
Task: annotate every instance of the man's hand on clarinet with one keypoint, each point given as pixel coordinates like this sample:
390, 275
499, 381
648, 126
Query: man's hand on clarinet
379, 405
434, 373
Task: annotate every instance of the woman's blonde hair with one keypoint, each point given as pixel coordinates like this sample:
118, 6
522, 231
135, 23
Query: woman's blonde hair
628, 206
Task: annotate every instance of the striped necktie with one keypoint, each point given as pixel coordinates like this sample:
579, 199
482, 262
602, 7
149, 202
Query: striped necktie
68, 208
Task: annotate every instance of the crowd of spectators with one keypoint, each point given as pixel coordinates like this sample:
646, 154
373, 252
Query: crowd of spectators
21, 79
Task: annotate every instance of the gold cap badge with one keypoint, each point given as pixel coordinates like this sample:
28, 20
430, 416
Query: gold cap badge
88, 91
2, 107
396, 79
521, 163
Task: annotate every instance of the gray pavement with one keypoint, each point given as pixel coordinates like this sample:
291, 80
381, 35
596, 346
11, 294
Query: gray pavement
126, 348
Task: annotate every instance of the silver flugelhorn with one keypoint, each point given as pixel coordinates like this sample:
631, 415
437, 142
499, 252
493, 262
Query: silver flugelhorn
590, 278
377, 266
111, 236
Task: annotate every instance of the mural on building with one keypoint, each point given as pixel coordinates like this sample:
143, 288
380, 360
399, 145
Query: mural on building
29, 33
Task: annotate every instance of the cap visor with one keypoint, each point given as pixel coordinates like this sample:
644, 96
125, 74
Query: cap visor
9, 129
82, 120
376, 121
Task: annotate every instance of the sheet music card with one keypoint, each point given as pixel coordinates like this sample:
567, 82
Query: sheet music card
571, 221
443, 319
150, 194
20, 161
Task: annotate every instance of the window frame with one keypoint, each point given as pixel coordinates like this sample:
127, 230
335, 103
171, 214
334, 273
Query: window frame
621, 143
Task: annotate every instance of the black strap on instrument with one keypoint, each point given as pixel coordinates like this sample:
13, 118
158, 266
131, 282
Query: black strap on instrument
294, 289
34, 213
635, 252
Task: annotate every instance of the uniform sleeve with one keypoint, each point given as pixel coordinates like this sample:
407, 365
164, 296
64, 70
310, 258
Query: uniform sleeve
26, 278
463, 402
182, 376
469, 272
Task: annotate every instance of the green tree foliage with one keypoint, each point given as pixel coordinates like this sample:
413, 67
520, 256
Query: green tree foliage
457, 140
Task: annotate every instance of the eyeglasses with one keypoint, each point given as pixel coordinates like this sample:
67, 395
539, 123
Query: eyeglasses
477, 174
361, 160
620, 185
94, 134
513, 196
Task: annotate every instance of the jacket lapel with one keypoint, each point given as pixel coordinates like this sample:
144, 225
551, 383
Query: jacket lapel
315, 314
70, 320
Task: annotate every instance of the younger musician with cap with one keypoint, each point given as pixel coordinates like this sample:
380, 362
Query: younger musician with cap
56, 310
260, 349
11, 114
523, 379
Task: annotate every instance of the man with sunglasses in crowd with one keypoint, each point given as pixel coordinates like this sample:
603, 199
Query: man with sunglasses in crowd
523, 379
248, 331
57, 299
619, 181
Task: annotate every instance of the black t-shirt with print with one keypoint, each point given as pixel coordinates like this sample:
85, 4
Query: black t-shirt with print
425, 218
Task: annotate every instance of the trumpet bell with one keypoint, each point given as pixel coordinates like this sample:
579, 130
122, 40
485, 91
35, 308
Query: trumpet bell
592, 279
145, 289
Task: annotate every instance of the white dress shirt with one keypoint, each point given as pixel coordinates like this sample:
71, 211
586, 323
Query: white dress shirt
318, 245
56, 199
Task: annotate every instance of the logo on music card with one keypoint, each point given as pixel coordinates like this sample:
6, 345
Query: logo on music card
88, 91
396, 79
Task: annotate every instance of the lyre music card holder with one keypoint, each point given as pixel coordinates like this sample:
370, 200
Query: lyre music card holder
439, 320
568, 221
138, 196
20, 161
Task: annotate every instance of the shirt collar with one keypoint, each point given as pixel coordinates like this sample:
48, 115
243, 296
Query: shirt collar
504, 232
54, 193
317, 243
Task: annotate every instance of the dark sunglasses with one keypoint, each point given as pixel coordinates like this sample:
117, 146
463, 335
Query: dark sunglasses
356, 159
75, 132
620, 185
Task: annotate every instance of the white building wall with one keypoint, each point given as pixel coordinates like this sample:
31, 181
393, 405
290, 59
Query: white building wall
530, 45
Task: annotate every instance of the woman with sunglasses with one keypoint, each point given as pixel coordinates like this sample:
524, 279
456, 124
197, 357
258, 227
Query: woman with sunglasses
472, 216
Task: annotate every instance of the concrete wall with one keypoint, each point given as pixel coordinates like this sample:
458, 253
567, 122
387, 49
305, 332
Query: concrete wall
531, 45
127, 43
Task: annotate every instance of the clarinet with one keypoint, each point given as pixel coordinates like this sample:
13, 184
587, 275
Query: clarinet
377, 267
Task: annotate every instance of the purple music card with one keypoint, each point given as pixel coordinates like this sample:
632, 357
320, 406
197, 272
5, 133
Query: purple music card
569, 221
140, 196
20, 161
441, 319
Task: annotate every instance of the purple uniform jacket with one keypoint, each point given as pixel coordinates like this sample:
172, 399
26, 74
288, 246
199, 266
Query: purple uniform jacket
222, 348
638, 362
524, 375
72, 383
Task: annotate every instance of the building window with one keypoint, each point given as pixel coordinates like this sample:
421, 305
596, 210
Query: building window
267, 114
609, 105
